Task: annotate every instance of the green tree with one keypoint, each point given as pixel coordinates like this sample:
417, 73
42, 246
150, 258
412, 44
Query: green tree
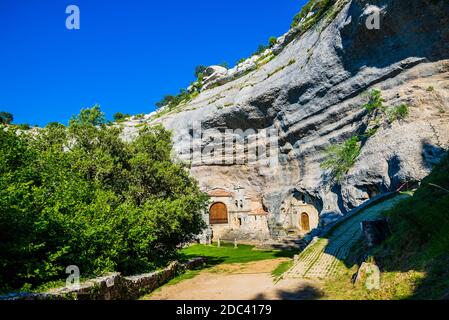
260, 49
24, 126
199, 70
167, 100
6, 117
54, 124
120, 116
82, 196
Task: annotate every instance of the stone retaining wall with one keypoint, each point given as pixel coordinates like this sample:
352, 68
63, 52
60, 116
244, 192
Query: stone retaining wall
114, 286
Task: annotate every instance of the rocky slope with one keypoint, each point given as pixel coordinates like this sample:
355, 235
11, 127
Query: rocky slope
313, 91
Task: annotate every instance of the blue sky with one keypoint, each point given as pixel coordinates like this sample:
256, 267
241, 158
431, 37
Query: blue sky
127, 54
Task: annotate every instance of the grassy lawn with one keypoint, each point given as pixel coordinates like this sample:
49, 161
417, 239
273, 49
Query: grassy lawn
226, 254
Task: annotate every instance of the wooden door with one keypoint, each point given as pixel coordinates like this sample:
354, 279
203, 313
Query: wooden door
305, 222
218, 214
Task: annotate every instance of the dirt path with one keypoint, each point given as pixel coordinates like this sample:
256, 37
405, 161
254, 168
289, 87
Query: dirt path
252, 281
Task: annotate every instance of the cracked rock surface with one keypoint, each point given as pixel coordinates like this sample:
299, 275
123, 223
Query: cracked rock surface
313, 91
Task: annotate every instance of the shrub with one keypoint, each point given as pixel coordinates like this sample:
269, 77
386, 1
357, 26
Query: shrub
370, 132
120, 116
272, 41
23, 126
399, 112
375, 101
341, 157
54, 125
375, 106
82, 196
260, 50
165, 101
173, 101
318, 6
199, 70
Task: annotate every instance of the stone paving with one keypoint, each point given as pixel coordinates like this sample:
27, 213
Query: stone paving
323, 256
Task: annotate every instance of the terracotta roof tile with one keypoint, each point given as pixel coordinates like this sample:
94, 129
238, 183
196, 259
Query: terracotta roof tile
219, 193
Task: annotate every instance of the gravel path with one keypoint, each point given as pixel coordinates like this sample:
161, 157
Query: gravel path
251, 281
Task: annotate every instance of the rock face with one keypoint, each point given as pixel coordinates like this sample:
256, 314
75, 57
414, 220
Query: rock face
312, 92
214, 72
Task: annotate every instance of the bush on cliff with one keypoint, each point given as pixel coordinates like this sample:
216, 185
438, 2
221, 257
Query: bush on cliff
6, 117
82, 196
340, 158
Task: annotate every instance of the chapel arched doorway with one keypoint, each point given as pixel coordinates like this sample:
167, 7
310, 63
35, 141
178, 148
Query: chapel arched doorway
218, 214
305, 222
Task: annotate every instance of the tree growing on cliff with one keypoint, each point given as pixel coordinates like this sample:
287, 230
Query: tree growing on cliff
199, 70
6, 117
118, 116
82, 196
339, 158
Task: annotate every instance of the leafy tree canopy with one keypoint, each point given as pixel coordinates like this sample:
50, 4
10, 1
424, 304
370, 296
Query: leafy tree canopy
80, 195
6, 117
199, 70
120, 116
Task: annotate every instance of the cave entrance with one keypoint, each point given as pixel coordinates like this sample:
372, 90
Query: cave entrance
305, 222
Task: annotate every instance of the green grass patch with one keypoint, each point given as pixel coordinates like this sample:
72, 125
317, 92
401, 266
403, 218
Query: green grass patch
375, 101
227, 254
292, 61
398, 112
282, 268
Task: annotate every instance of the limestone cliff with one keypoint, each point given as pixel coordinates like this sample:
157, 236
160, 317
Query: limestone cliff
312, 91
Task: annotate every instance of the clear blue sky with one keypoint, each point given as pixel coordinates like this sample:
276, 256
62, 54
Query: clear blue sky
127, 54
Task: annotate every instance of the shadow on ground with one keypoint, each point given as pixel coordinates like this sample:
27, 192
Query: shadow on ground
303, 292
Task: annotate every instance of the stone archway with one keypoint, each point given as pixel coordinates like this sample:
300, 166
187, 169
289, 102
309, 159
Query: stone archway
299, 213
218, 214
